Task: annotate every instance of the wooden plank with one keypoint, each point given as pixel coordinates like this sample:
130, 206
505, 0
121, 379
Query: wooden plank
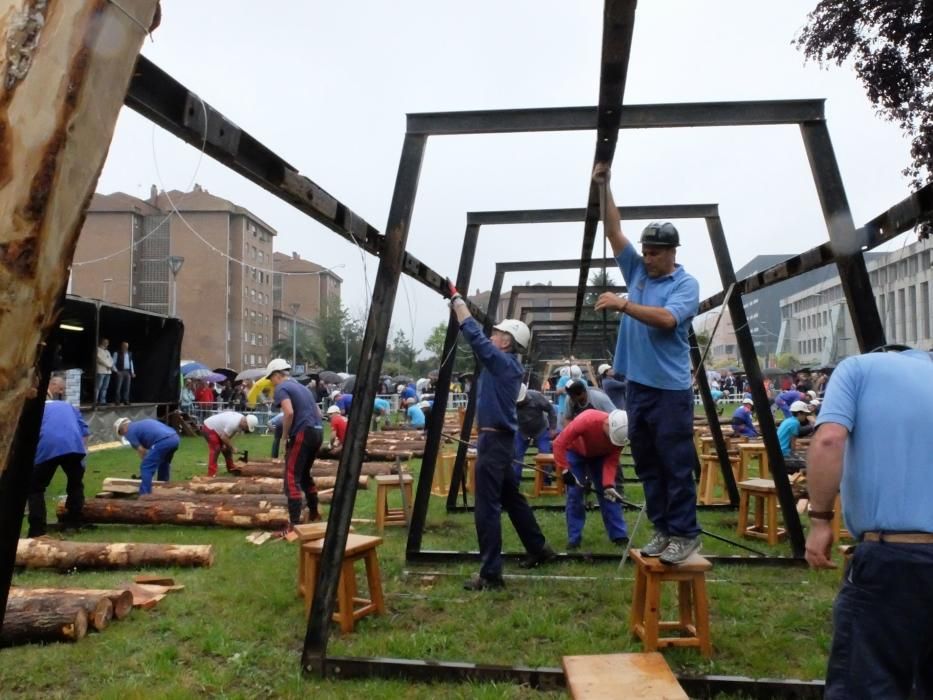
611, 676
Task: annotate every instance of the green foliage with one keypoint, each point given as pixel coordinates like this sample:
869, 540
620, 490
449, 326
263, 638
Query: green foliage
309, 348
786, 361
890, 44
340, 333
601, 279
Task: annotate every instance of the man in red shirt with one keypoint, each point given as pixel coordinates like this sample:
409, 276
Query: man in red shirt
588, 448
338, 427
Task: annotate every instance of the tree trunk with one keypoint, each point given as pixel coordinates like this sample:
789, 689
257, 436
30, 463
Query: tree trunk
22, 627
322, 467
99, 609
375, 455
136, 512
233, 484
60, 554
120, 598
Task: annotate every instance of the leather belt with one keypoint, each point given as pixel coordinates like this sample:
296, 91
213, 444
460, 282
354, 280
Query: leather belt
899, 537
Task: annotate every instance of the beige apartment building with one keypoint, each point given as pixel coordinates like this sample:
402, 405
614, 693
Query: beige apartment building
223, 289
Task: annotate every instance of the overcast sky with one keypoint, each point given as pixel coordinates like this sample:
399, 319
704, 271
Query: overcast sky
327, 85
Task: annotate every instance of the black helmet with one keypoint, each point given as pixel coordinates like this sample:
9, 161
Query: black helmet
660, 235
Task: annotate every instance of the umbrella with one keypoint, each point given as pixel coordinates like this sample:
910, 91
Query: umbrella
774, 372
227, 372
258, 373
349, 384
189, 367
402, 379
204, 374
329, 377
215, 377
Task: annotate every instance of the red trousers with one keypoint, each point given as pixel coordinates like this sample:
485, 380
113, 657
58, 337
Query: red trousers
215, 446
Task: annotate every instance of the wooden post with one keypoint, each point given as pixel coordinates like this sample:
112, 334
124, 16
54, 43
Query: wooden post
65, 66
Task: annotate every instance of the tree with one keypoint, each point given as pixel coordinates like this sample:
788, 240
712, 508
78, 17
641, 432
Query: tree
891, 45
341, 337
401, 351
603, 280
786, 361
308, 348
463, 356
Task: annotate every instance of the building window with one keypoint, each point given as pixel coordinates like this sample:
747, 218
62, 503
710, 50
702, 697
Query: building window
245, 336
912, 312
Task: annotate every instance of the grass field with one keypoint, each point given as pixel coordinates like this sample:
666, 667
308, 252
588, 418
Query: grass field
236, 630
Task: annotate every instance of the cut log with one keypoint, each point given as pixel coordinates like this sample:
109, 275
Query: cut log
65, 69
64, 555
322, 467
261, 501
27, 626
155, 512
99, 609
121, 600
126, 486
233, 484
380, 455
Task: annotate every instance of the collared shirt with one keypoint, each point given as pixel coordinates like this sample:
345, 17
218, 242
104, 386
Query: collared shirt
585, 436
338, 426
885, 401
344, 402
742, 422
307, 413
656, 357
788, 397
535, 414
498, 387
381, 406
594, 399
148, 432
615, 390
62, 432
227, 423
787, 431
104, 361
123, 362
562, 398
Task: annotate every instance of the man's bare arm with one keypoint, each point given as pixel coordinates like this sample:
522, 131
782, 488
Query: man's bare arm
612, 223
656, 316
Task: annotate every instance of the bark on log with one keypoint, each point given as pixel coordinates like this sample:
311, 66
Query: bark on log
136, 512
99, 609
28, 626
380, 455
120, 598
250, 500
64, 555
64, 71
233, 486
322, 467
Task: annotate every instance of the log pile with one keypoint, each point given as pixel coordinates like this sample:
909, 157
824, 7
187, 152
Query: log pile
179, 512
321, 468
64, 556
25, 626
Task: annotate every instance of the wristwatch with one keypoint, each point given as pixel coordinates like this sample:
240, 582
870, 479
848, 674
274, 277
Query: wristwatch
820, 514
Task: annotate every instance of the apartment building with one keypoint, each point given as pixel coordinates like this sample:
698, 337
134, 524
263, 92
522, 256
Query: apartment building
223, 255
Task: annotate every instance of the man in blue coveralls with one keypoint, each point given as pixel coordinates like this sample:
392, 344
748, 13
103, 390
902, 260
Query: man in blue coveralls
496, 487
883, 613
653, 354
156, 444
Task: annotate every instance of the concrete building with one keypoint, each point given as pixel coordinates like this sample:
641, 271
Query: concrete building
818, 327
223, 289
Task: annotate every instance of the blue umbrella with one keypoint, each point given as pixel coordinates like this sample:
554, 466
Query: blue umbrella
190, 367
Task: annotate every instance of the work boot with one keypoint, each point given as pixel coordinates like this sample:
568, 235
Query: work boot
679, 550
543, 557
657, 544
620, 542
481, 583
573, 546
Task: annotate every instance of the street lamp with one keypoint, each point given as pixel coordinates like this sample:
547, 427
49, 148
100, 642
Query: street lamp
174, 264
294, 306
346, 353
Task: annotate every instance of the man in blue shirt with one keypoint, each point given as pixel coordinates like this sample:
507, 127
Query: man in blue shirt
303, 427
653, 355
156, 444
62, 443
561, 390
876, 445
496, 485
381, 409
784, 400
537, 422
742, 419
414, 414
614, 388
788, 430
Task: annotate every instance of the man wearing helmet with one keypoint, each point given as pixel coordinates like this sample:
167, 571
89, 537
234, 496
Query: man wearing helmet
588, 449
496, 487
219, 430
653, 354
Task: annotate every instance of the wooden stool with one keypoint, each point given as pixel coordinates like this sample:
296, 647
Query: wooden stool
307, 532
556, 487
350, 608
443, 468
710, 479
605, 676
392, 516
754, 451
691, 603
764, 493
471, 470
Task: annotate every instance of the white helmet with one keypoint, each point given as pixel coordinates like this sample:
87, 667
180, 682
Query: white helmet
332, 410
118, 423
400, 388
799, 407
575, 372
334, 394
522, 393
618, 427
565, 371
277, 365
603, 368
251, 423
517, 329
811, 394
424, 404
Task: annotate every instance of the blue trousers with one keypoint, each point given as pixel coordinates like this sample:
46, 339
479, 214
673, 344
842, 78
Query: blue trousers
157, 462
882, 619
660, 425
101, 384
542, 441
591, 468
497, 489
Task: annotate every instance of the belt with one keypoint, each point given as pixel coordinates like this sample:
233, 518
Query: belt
494, 430
899, 537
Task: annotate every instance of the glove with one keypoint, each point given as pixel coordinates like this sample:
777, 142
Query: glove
610, 494
452, 289
569, 479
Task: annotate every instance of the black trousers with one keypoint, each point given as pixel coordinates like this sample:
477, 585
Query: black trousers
41, 478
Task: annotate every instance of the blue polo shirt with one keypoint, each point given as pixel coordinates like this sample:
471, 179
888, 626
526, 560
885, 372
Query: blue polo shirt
307, 413
788, 397
415, 416
787, 431
497, 387
344, 402
562, 398
886, 482
148, 432
62, 432
742, 422
409, 392
651, 356
381, 406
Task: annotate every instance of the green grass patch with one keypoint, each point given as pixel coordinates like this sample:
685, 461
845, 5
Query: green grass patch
236, 631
